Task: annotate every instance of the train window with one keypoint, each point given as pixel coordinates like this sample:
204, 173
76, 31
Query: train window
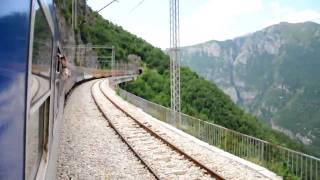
37, 138
41, 56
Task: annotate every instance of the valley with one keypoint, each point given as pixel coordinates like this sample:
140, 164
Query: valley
272, 74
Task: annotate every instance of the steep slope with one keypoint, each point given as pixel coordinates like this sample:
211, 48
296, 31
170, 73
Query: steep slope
94, 29
273, 74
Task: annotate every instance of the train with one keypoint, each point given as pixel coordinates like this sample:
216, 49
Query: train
32, 88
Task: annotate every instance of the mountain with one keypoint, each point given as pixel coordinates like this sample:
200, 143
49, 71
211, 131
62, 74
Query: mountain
273, 74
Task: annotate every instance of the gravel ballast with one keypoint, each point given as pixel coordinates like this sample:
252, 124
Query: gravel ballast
221, 162
89, 148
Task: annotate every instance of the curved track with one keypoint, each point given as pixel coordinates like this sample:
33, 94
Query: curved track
122, 136
163, 159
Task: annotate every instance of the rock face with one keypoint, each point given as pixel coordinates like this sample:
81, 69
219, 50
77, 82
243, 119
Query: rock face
273, 74
87, 57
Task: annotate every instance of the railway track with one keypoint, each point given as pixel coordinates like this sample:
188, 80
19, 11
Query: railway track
163, 159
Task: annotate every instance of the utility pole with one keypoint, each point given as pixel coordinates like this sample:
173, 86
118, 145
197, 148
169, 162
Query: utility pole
175, 61
113, 57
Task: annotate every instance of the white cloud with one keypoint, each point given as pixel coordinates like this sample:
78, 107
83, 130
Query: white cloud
221, 20
290, 15
215, 20
277, 9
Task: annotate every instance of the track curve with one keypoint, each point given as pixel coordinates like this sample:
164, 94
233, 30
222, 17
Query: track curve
121, 136
142, 132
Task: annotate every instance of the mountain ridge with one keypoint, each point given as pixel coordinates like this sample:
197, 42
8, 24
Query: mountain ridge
250, 33
258, 72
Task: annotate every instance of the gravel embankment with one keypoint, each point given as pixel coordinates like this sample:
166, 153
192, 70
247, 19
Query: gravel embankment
166, 162
89, 148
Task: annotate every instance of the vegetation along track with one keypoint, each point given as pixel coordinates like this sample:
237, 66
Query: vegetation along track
162, 158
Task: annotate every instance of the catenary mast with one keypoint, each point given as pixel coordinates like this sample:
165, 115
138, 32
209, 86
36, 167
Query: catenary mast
175, 60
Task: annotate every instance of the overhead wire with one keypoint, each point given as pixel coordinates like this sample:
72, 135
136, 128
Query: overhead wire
136, 6
108, 5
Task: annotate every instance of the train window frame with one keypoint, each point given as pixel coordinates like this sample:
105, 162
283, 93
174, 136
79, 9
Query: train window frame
57, 84
35, 104
43, 117
42, 105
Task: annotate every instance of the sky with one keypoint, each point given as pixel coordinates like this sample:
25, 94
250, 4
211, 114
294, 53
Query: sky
204, 20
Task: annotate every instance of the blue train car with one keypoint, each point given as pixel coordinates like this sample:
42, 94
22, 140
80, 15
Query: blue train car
31, 89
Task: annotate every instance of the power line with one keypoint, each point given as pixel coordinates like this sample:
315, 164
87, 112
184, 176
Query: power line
108, 4
135, 7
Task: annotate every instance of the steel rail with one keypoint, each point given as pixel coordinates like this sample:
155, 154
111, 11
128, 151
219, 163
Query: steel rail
175, 148
152, 171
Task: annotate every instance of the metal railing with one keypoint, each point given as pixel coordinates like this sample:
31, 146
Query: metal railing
285, 162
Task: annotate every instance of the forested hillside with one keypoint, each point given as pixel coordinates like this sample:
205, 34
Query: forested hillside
204, 100
92, 28
200, 98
